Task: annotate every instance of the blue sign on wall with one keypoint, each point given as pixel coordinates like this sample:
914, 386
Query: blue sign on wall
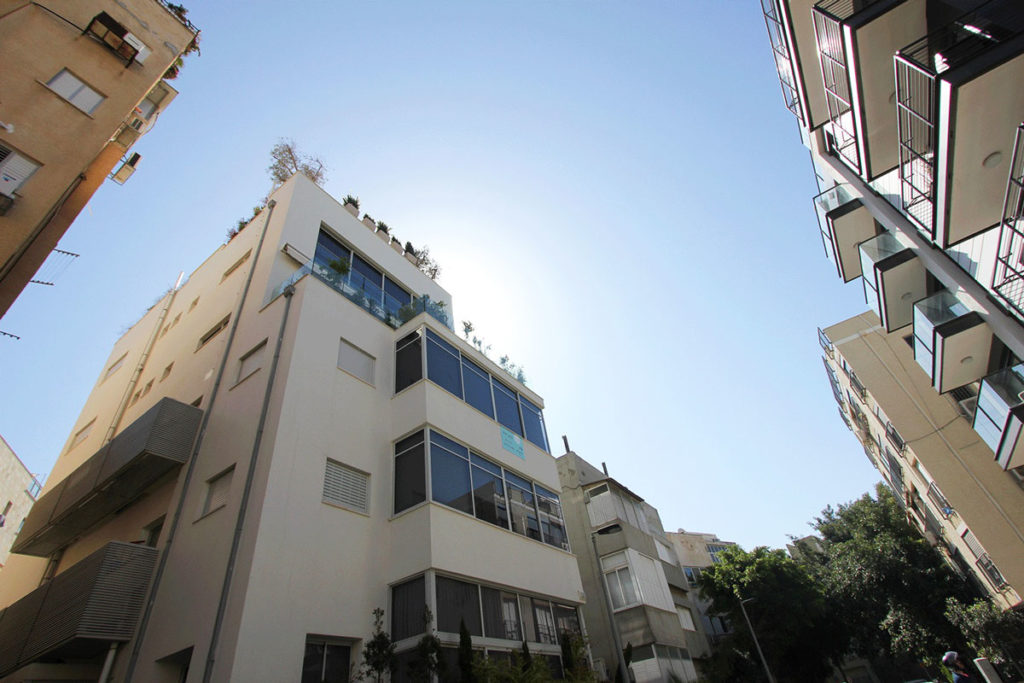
513, 443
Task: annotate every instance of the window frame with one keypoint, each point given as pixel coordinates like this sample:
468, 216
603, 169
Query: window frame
212, 498
350, 370
82, 85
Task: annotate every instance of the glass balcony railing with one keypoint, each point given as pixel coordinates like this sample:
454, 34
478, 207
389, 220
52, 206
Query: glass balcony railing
871, 252
366, 294
928, 314
999, 393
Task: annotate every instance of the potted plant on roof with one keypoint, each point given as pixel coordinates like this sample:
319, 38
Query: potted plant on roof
410, 254
369, 222
351, 205
396, 244
383, 231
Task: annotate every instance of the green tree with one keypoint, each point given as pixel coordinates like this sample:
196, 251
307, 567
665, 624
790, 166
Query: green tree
991, 632
889, 585
428, 659
379, 652
787, 610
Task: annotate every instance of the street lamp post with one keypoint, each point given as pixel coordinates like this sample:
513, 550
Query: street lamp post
750, 626
613, 529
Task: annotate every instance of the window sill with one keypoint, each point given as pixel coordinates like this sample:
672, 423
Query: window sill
244, 378
355, 376
209, 512
61, 98
346, 508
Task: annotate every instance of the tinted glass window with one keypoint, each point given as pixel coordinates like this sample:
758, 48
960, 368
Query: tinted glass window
489, 496
533, 422
477, 384
501, 614
457, 601
443, 441
395, 296
551, 522
408, 361
449, 480
329, 249
443, 364
521, 507
410, 479
408, 601
506, 406
545, 622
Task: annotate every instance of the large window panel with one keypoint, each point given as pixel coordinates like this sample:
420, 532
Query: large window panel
489, 500
551, 522
506, 405
457, 601
449, 480
408, 361
395, 296
329, 249
545, 622
477, 384
501, 614
443, 364
526, 612
408, 605
567, 619
522, 506
410, 479
533, 424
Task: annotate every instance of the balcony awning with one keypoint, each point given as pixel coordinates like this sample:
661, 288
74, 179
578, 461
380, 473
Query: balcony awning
81, 611
848, 226
894, 279
157, 442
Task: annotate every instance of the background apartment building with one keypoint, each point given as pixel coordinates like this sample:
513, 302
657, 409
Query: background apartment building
285, 442
622, 549
82, 80
912, 112
697, 551
18, 491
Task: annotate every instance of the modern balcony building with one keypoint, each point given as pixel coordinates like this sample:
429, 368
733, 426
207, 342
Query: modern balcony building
628, 567
82, 80
285, 442
695, 552
912, 112
18, 491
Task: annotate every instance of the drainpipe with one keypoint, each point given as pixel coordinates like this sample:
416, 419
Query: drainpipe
246, 491
143, 359
108, 663
190, 468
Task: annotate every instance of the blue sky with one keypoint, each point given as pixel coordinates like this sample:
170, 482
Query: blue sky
616, 193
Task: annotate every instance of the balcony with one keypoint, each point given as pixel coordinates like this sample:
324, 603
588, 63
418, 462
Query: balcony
119, 473
368, 296
894, 278
856, 41
951, 342
1000, 415
833, 381
81, 611
112, 34
959, 101
844, 223
1008, 282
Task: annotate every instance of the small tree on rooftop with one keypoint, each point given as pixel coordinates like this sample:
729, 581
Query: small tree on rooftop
286, 160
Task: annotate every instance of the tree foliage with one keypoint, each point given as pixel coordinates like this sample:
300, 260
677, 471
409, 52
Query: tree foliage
379, 651
428, 658
991, 632
785, 606
286, 160
886, 581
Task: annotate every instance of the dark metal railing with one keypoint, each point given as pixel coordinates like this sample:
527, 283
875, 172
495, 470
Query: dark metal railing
784, 63
844, 9
840, 132
1008, 279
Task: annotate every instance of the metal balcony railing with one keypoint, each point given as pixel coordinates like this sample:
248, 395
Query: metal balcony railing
991, 571
826, 343
1008, 280
894, 437
784, 64
939, 500
840, 131
918, 67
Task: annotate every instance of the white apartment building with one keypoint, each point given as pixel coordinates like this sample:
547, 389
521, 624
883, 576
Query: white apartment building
288, 440
912, 112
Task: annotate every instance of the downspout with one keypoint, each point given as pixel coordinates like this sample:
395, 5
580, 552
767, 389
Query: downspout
108, 663
190, 468
141, 365
246, 491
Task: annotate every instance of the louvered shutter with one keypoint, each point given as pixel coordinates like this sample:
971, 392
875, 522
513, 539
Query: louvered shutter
346, 487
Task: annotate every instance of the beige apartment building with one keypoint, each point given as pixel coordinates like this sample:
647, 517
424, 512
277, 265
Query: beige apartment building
285, 442
631, 576
18, 491
695, 552
81, 81
912, 111
940, 469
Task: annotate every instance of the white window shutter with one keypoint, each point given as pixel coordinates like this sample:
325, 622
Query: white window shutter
346, 487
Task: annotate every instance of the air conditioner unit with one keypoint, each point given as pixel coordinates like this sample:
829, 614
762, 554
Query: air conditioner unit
127, 136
